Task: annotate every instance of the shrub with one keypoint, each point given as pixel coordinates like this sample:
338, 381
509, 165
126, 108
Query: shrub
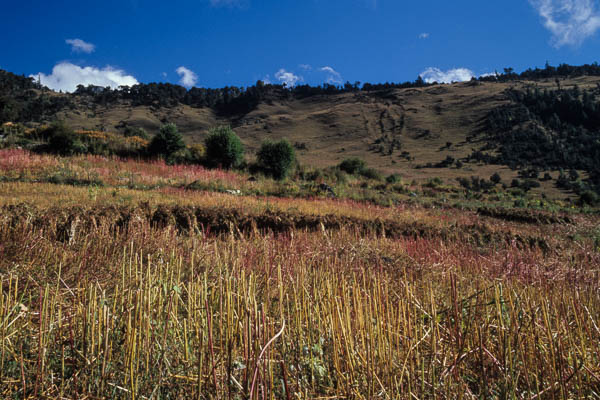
276, 158
197, 153
433, 183
353, 165
300, 146
223, 148
589, 198
183, 156
371, 173
167, 142
62, 140
314, 175
464, 182
393, 178
529, 184
341, 177
520, 203
496, 178
131, 131
447, 163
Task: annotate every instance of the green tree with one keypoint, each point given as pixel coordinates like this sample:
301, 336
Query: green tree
276, 158
223, 148
167, 142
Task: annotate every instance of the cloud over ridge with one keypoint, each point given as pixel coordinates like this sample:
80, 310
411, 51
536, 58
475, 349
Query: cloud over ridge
570, 21
188, 77
287, 77
66, 76
333, 77
431, 75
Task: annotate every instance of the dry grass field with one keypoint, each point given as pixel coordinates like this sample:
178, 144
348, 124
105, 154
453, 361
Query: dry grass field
120, 280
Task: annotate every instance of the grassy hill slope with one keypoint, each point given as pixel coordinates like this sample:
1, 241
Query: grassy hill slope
394, 130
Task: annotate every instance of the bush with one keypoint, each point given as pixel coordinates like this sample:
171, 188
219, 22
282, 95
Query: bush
589, 198
183, 156
167, 142
434, 183
341, 177
520, 203
308, 174
223, 148
353, 165
131, 131
276, 158
197, 153
371, 173
62, 140
447, 163
393, 178
529, 184
496, 178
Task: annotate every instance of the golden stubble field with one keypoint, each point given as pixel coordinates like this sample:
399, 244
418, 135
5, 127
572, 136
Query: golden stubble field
159, 291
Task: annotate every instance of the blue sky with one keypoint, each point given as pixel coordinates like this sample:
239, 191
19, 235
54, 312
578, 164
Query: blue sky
214, 43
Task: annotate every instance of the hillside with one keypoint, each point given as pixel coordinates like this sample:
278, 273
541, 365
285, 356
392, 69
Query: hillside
419, 121
394, 128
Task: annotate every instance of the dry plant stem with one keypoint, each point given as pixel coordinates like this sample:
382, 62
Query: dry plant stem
261, 354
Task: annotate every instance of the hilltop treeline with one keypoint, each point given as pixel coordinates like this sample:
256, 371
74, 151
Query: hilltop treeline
232, 100
22, 99
227, 101
548, 72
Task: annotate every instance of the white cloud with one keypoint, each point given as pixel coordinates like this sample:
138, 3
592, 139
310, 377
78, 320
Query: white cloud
66, 76
431, 75
288, 78
188, 77
332, 75
424, 35
80, 46
306, 67
569, 21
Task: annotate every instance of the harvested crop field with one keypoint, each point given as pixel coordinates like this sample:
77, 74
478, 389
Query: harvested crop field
210, 302
125, 279
66, 223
